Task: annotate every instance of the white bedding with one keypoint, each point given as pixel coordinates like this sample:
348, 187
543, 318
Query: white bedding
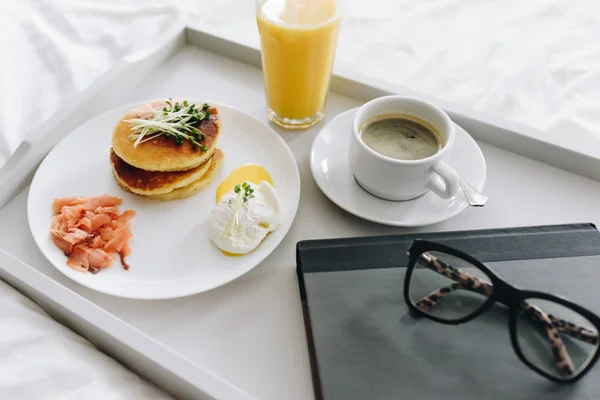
42, 359
536, 62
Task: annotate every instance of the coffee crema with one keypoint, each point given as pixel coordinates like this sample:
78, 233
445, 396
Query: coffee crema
401, 136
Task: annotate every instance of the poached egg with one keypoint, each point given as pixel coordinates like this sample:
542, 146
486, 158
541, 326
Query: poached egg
237, 226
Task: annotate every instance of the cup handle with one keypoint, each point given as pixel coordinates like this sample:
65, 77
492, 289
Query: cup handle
443, 180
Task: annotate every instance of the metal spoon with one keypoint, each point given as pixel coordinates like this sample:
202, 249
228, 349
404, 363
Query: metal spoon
474, 196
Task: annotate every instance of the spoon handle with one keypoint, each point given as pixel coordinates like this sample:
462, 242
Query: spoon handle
474, 197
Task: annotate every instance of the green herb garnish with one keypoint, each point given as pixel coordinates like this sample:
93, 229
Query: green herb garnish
244, 193
177, 120
247, 191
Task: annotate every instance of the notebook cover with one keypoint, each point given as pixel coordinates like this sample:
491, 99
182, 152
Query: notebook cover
363, 343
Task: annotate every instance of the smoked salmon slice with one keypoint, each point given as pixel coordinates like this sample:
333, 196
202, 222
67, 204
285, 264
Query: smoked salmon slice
88, 203
89, 230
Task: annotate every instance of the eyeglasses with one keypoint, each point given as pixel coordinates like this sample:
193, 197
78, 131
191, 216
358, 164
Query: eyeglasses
553, 336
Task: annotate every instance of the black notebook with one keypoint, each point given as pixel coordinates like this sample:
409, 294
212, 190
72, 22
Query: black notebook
363, 344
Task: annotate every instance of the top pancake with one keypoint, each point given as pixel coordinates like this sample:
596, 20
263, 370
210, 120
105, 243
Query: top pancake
163, 153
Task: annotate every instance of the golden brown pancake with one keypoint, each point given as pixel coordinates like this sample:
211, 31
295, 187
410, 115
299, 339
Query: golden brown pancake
196, 186
153, 182
163, 153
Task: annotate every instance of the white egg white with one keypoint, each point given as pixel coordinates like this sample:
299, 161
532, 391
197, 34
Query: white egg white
255, 219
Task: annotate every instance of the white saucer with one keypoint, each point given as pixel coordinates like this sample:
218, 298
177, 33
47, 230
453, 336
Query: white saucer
329, 166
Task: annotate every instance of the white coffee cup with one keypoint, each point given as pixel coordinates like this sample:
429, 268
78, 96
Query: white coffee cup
394, 179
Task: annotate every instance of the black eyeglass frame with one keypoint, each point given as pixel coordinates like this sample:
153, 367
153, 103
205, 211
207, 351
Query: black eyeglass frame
504, 293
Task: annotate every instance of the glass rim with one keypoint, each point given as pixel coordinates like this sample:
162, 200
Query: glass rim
336, 16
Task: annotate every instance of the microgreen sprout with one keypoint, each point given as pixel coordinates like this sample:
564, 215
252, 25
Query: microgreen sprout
247, 191
178, 120
244, 193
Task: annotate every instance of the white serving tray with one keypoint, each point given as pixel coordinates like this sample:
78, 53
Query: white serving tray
246, 339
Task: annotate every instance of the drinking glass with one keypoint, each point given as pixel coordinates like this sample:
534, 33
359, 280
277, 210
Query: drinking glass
298, 43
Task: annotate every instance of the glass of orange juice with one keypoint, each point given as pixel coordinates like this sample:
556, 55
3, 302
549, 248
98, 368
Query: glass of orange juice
298, 42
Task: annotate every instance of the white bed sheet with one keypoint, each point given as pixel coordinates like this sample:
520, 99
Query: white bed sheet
536, 62
41, 359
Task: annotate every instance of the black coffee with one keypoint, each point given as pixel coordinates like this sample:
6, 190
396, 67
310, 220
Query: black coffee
402, 137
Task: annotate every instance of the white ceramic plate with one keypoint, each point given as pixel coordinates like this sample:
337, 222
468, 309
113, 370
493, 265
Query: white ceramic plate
172, 255
329, 166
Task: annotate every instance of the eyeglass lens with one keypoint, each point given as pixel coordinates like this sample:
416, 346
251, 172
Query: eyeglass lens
555, 338
448, 287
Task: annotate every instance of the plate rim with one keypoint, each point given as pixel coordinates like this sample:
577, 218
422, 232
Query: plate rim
370, 218
285, 228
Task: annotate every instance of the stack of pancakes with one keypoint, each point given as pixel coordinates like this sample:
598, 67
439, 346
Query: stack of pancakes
160, 168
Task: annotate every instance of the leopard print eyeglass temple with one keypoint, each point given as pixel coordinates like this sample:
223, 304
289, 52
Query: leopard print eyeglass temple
553, 336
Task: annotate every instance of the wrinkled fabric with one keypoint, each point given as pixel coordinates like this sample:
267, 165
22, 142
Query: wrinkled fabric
41, 359
536, 62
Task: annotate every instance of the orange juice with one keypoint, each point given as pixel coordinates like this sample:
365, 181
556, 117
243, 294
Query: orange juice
298, 41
